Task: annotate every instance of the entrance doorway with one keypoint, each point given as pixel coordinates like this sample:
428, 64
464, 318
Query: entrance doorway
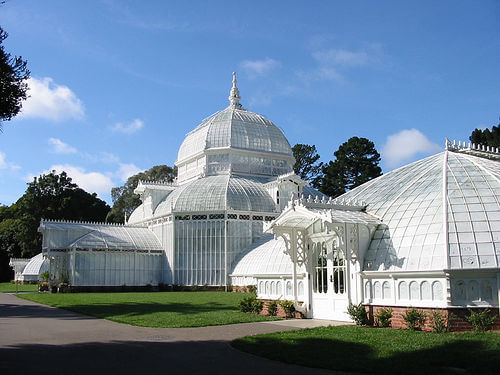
328, 272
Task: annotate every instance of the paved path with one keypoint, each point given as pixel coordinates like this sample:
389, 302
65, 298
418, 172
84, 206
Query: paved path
38, 339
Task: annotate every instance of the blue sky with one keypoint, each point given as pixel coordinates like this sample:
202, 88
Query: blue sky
116, 85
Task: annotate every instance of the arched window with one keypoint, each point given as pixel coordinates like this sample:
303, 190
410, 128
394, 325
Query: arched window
377, 290
437, 291
368, 290
300, 288
261, 288
425, 290
486, 290
473, 290
273, 288
403, 290
414, 292
289, 288
268, 291
279, 290
460, 290
386, 290
338, 271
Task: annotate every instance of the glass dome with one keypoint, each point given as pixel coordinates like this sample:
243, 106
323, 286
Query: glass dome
234, 140
217, 194
439, 213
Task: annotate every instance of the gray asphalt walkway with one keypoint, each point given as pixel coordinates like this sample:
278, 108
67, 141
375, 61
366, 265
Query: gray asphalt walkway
40, 339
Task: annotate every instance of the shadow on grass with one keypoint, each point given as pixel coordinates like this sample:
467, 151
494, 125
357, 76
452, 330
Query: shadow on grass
138, 357
458, 357
141, 308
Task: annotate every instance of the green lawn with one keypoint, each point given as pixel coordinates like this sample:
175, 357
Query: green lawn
380, 351
11, 288
155, 309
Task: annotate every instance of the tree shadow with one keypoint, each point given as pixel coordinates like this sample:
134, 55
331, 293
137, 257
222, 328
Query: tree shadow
458, 357
136, 357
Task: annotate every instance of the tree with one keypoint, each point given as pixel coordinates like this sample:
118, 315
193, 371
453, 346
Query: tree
356, 163
306, 164
13, 86
124, 199
49, 196
486, 137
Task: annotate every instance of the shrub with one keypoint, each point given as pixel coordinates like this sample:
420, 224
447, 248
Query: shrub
252, 289
482, 321
246, 304
358, 314
45, 276
257, 306
272, 308
414, 319
287, 307
43, 286
438, 322
229, 288
384, 317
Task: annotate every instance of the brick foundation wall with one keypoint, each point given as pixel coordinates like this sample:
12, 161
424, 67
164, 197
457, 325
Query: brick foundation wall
280, 313
454, 316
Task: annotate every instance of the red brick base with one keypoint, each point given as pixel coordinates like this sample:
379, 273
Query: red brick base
454, 316
280, 313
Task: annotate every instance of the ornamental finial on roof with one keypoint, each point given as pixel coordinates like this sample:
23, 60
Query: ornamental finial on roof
234, 94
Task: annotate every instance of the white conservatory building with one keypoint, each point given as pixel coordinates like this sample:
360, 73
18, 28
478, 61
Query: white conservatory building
424, 235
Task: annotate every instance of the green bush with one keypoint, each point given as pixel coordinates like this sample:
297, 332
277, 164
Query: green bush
229, 288
272, 308
358, 314
252, 289
482, 320
257, 306
384, 317
246, 304
414, 319
45, 276
287, 307
438, 322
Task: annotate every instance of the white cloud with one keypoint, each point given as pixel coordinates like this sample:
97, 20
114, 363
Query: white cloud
259, 67
4, 164
403, 146
59, 147
92, 182
134, 126
127, 170
334, 61
342, 57
51, 101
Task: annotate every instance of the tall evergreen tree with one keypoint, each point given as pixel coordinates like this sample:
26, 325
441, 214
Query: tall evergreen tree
486, 137
356, 162
306, 164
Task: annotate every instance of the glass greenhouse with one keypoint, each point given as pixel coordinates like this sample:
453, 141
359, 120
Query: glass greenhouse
426, 234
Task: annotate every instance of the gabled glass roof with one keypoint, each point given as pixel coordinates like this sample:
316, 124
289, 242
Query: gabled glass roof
428, 227
102, 236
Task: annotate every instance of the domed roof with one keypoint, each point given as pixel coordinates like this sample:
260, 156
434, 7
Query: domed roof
266, 256
217, 193
36, 266
237, 128
441, 212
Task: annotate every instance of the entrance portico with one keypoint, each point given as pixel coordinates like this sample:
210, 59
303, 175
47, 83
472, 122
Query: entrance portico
328, 242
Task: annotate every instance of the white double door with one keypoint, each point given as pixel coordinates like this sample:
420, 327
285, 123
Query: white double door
329, 296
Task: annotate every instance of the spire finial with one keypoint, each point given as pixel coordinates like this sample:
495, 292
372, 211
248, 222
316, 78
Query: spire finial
234, 94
